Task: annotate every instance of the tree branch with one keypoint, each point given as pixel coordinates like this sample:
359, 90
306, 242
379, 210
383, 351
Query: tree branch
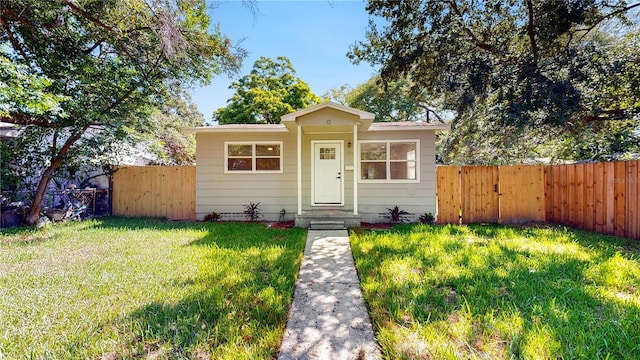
106, 27
119, 101
603, 18
88, 16
613, 114
15, 16
14, 41
481, 44
70, 141
54, 144
95, 46
430, 110
532, 33
25, 119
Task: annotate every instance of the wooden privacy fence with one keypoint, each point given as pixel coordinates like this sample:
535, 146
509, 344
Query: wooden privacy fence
601, 197
155, 191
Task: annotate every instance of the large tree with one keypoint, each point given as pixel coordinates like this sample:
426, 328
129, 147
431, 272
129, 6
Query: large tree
507, 69
269, 91
167, 140
393, 101
102, 67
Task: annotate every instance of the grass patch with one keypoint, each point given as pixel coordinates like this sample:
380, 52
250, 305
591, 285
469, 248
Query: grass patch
138, 288
498, 292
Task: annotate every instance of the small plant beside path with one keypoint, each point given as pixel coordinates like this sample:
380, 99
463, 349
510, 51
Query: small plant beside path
498, 292
141, 288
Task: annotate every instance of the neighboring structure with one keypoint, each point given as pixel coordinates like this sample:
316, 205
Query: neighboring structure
8, 131
327, 161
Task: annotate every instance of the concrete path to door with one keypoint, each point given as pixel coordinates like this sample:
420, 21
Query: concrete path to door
328, 318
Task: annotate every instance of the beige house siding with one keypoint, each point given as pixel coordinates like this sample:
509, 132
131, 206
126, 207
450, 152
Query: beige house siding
416, 198
228, 192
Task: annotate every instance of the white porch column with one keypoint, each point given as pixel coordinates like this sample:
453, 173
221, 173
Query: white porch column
355, 169
299, 153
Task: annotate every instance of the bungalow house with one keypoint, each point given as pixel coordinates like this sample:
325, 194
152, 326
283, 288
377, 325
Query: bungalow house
326, 165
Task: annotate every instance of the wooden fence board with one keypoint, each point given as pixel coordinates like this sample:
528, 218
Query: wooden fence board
570, 190
620, 173
448, 194
578, 196
564, 195
600, 197
548, 193
589, 198
609, 183
633, 201
557, 206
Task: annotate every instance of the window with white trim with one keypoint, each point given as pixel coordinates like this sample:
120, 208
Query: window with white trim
256, 157
389, 161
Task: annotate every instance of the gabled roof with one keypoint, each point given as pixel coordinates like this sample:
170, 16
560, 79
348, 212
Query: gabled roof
363, 115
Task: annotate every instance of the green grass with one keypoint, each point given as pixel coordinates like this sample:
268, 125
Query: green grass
497, 292
136, 288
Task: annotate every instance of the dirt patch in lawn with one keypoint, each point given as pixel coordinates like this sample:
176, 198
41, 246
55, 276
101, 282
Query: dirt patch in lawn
376, 226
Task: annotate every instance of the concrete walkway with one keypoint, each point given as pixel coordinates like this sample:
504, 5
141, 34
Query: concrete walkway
328, 318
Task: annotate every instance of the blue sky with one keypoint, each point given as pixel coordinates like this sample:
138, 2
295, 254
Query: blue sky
314, 35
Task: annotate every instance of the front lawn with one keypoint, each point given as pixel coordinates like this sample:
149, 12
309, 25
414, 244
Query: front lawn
133, 288
497, 292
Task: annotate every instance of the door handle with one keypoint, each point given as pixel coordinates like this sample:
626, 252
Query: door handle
339, 176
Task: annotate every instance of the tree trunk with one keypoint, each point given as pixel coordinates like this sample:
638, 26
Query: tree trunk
33, 215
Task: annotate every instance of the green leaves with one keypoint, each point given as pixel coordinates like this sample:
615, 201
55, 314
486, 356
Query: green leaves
22, 92
85, 73
269, 91
512, 71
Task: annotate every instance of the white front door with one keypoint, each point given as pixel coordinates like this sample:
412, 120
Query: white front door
326, 180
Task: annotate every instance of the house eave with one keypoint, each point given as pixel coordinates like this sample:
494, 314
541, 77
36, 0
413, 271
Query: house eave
407, 126
255, 128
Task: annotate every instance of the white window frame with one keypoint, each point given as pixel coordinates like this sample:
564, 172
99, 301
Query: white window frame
253, 157
388, 162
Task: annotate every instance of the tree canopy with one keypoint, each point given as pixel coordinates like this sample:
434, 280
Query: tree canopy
391, 101
167, 140
269, 91
81, 75
513, 72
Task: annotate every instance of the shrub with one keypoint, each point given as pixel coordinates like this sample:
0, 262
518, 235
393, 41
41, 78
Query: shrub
213, 217
396, 215
427, 218
253, 211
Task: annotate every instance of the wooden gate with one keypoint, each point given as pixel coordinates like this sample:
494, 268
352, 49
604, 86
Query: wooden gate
162, 191
506, 194
521, 194
480, 200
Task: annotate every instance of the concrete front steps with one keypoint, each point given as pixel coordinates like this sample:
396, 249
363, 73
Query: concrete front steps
327, 220
327, 225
